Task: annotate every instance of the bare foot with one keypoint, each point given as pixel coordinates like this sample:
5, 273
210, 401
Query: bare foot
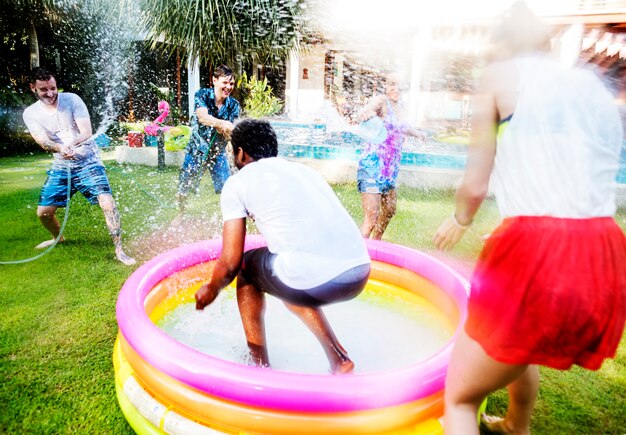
258, 355
345, 366
47, 243
128, 261
495, 424
178, 221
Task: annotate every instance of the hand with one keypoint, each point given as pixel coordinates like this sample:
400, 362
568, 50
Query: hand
352, 120
448, 234
417, 134
67, 152
224, 128
204, 296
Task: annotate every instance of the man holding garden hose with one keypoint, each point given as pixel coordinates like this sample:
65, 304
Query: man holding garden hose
60, 123
212, 124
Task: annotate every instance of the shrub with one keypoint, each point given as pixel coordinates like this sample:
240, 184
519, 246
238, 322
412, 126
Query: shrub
258, 97
14, 136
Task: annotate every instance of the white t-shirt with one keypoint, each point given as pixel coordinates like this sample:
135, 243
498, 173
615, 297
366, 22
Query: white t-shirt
301, 218
60, 127
559, 155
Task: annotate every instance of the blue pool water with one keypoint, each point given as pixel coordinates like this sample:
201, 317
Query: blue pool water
312, 141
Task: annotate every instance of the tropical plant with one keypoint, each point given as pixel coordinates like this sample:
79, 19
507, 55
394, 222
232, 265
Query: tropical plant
43, 17
258, 98
82, 40
235, 32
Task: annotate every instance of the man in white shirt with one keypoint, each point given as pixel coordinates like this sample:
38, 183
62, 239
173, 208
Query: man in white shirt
60, 123
315, 254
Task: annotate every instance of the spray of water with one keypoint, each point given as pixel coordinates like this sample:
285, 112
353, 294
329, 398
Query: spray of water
114, 44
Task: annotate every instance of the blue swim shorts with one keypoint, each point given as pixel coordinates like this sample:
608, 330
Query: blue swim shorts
193, 169
258, 270
366, 182
90, 180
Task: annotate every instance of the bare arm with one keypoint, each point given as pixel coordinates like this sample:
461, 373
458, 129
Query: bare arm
480, 159
84, 127
373, 108
66, 151
44, 142
228, 265
223, 127
410, 131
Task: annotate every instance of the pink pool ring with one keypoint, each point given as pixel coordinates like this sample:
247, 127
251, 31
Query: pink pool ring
271, 391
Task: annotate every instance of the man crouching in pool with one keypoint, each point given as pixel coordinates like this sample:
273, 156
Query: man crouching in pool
315, 254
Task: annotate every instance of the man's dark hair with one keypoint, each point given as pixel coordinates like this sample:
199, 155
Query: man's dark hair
40, 74
222, 71
256, 137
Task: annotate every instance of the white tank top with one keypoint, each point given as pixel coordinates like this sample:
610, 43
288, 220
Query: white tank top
559, 154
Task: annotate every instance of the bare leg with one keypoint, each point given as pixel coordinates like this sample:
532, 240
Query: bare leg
472, 375
371, 203
46, 214
112, 218
189, 180
251, 303
522, 395
182, 203
315, 320
388, 210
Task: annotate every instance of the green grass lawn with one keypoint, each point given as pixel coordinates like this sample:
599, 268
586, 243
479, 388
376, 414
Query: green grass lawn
58, 312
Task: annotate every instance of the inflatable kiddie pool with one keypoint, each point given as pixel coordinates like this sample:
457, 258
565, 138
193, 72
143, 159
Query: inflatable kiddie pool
164, 386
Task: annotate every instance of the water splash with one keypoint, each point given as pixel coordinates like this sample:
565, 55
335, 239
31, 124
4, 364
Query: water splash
111, 68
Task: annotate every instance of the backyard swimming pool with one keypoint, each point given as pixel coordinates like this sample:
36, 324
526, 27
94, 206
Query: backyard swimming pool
313, 141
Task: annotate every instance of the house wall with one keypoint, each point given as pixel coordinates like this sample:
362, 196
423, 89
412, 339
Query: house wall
305, 96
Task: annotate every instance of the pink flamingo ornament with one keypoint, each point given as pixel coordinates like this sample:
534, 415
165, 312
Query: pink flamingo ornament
157, 124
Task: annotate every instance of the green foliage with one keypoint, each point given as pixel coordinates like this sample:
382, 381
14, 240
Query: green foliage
83, 41
258, 98
225, 31
125, 127
14, 137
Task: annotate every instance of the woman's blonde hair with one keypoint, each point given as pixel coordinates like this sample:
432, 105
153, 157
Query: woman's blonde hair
521, 31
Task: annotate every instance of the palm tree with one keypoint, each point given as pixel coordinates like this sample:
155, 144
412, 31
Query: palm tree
224, 31
80, 39
33, 14
48, 17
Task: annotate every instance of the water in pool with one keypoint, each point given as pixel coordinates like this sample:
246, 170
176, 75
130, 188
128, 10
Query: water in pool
379, 333
314, 141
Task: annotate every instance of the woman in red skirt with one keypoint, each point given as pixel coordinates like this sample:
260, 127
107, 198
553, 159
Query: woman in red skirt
549, 287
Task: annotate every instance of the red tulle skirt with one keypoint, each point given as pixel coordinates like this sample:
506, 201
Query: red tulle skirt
550, 291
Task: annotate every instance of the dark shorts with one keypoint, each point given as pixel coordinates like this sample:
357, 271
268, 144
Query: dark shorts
258, 270
91, 181
194, 167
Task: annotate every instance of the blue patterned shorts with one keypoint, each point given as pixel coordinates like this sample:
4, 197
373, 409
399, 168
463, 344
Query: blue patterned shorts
91, 181
196, 164
368, 181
